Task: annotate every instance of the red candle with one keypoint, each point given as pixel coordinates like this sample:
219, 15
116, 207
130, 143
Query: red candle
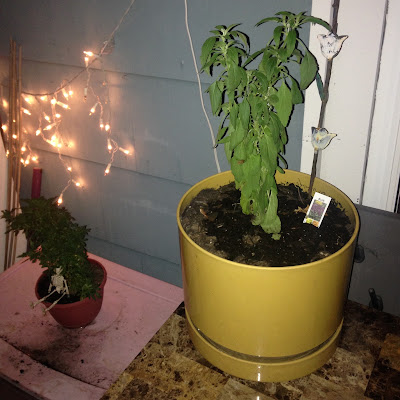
36, 182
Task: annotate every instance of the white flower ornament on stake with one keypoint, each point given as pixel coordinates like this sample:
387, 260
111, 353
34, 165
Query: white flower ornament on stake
331, 44
320, 138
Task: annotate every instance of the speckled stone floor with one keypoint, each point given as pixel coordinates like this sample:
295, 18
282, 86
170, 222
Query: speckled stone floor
366, 365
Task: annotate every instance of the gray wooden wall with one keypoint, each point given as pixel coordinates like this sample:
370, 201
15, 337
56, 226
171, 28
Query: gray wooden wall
155, 108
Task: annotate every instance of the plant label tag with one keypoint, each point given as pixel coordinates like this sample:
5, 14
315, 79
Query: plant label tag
317, 209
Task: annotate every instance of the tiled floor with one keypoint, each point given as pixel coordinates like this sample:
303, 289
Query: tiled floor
366, 365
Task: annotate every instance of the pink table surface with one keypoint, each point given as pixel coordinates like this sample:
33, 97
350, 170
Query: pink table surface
57, 363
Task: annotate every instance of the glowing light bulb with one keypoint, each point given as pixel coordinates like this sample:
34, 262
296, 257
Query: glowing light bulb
57, 115
53, 101
46, 117
63, 105
25, 111
93, 109
14, 136
5, 103
22, 161
101, 124
23, 148
107, 170
48, 127
70, 92
69, 169
88, 53
34, 158
59, 145
109, 147
38, 132
43, 98
4, 127
124, 150
65, 93
60, 199
77, 184
107, 127
28, 99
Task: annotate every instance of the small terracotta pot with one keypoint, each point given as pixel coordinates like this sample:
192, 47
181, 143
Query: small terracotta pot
80, 313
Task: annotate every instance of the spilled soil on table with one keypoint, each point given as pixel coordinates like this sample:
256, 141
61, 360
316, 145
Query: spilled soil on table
214, 220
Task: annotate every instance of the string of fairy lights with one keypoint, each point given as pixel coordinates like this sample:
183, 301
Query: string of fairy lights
52, 108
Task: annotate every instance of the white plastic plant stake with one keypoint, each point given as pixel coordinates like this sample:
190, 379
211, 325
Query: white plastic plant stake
317, 209
331, 44
60, 286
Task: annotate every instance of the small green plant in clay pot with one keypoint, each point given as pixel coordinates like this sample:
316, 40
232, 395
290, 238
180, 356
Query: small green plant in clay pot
58, 243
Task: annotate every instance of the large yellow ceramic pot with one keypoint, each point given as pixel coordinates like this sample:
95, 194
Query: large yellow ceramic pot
265, 323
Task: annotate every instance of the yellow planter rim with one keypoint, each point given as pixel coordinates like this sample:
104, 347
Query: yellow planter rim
255, 267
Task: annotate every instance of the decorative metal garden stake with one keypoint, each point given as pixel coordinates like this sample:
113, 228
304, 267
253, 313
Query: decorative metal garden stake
331, 45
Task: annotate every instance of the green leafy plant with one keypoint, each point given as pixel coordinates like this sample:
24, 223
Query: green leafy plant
56, 241
256, 105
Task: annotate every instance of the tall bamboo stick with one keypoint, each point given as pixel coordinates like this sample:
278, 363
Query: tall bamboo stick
13, 144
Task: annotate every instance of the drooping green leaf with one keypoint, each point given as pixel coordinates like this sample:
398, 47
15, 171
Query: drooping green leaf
271, 67
252, 57
276, 19
268, 153
221, 133
318, 21
251, 169
237, 135
262, 79
233, 117
207, 48
271, 222
243, 37
275, 126
245, 203
230, 27
279, 169
284, 106
235, 76
240, 151
232, 56
244, 113
277, 35
285, 13
283, 160
284, 137
308, 70
237, 171
290, 42
228, 151
299, 56
297, 95
212, 61
224, 140
215, 98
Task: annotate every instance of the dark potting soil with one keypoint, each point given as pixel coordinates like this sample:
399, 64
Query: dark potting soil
214, 220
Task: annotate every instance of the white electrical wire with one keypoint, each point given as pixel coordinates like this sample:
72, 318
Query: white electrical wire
200, 88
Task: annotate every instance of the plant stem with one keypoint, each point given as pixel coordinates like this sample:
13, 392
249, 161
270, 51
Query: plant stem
325, 96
